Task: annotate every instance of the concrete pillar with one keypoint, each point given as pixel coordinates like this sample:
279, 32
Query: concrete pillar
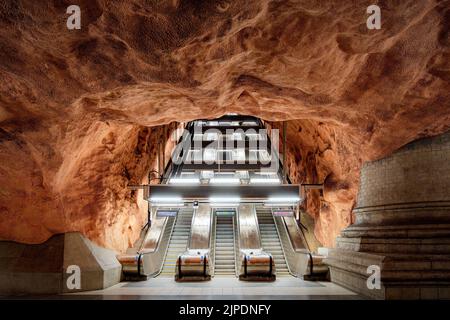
402, 225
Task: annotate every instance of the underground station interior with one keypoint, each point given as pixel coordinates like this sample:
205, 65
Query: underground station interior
228, 150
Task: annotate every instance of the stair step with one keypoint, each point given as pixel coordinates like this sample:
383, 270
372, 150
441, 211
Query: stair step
224, 248
270, 240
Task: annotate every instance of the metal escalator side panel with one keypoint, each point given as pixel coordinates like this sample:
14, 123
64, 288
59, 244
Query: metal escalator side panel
194, 264
303, 257
153, 261
148, 258
295, 234
255, 264
153, 236
249, 237
298, 257
201, 228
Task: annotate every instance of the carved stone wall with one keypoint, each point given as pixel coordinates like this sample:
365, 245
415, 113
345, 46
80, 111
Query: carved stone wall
402, 225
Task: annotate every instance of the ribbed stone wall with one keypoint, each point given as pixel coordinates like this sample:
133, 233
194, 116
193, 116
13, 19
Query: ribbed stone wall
402, 225
407, 185
418, 172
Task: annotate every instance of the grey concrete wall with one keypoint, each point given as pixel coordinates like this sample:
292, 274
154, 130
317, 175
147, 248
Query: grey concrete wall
34, 269
42, 268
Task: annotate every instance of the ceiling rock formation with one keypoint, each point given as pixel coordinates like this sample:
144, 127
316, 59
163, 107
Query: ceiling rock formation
77, 107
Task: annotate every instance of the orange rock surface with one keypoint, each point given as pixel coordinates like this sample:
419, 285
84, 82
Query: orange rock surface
78, 108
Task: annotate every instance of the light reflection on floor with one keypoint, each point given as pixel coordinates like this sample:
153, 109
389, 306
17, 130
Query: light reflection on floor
223, 288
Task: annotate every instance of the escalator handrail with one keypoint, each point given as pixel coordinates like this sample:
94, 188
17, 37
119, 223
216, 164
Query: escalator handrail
179, 267
311, 265
245, 265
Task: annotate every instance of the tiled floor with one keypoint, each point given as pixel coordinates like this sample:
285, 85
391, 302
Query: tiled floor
226, 288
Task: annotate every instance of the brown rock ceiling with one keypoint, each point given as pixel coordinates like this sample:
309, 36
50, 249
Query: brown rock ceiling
78, 109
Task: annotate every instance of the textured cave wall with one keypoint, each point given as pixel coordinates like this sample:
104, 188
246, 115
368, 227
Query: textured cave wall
85, 189
76, 105
325, 154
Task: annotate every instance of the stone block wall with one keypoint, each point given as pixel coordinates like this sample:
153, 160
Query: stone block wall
402, 225
418, 172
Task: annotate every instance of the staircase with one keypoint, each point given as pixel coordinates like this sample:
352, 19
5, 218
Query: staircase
178, 241
224, 251
270, 240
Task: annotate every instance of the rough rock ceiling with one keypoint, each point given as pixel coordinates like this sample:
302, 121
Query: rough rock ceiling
74, 105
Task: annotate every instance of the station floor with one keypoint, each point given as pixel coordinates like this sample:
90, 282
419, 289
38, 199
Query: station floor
220, 288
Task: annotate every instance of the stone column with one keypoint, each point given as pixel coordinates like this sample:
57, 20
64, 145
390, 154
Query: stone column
402, 225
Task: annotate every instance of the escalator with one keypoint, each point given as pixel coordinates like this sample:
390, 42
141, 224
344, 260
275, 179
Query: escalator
178, 241
224, 248
270, 240
190, 241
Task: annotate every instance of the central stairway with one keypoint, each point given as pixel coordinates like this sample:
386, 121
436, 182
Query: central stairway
224, 251
270, 241
178, 241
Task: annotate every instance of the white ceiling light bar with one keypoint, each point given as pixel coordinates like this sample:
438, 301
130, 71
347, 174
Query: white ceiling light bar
225, 181
184, 181
265, 181
168, 202
224, 201
281, 201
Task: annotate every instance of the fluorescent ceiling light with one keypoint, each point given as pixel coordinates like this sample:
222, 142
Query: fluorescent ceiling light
224, 181
224, 199
264, 180
283, 199
278, 205
207, 174
171, 205
162, 199
184, 181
